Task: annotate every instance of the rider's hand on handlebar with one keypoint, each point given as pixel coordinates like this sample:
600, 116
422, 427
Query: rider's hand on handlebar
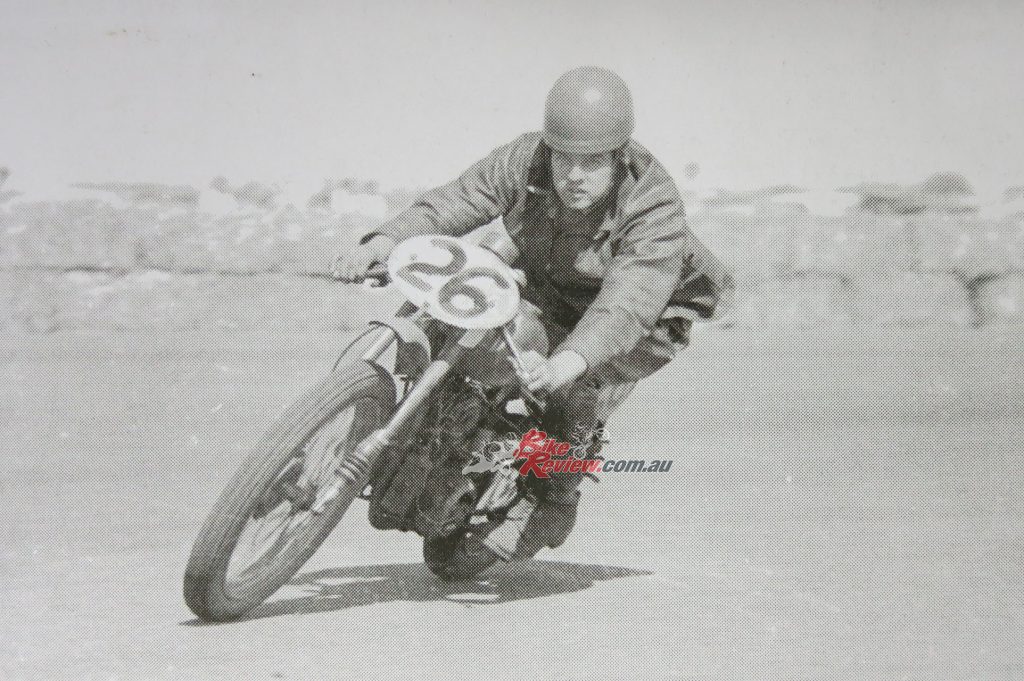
546, 375
353, 265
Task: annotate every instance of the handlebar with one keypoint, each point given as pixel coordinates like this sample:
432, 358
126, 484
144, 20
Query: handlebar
377, 272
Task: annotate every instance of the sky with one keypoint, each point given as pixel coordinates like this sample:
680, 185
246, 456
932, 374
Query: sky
818, 94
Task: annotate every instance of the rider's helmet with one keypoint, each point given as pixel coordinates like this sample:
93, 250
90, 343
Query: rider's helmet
589, 110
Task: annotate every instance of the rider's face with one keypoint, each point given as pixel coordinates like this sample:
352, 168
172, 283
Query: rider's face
582, 180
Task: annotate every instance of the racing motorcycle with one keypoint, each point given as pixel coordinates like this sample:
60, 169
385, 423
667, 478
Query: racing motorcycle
402, 424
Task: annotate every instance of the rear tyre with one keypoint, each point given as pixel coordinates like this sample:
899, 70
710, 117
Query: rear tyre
232, 569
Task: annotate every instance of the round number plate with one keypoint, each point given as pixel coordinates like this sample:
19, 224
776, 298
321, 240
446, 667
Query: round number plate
456, 282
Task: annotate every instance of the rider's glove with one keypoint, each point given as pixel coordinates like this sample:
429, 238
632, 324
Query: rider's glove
548, 375
353, 265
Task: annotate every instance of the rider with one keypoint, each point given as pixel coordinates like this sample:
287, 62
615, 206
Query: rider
609, 260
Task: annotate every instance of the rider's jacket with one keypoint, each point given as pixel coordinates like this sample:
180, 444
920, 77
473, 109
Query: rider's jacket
617, 276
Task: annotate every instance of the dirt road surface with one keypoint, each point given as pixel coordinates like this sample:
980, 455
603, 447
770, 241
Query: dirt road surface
842, 504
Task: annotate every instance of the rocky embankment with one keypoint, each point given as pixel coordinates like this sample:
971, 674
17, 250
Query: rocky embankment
89, 264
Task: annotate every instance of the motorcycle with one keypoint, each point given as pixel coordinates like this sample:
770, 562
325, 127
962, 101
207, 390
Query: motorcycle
408, 439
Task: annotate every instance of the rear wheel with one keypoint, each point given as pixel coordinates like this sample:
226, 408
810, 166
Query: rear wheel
263, 527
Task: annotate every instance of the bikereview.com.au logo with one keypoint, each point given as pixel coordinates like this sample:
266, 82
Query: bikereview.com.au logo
542, 456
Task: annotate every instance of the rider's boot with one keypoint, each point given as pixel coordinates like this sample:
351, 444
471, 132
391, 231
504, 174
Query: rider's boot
531, 526
551, 522
547, 522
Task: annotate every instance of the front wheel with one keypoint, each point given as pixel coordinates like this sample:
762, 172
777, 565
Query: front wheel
262, 529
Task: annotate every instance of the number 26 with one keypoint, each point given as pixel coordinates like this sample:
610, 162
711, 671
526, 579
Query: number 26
455, 285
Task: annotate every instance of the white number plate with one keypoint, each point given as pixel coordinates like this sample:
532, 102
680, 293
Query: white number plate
456, 282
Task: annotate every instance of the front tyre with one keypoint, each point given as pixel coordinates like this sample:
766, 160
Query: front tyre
262, 530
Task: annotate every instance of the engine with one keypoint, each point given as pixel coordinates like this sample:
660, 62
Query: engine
426, 490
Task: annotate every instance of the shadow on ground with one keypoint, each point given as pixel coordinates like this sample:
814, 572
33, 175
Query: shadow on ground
337, 589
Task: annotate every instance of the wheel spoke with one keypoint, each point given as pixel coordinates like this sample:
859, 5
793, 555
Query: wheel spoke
265, 538
261, 535
326, 447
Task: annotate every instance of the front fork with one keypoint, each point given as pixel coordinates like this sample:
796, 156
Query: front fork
355, 465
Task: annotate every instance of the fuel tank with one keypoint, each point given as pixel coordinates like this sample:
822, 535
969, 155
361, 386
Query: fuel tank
488, 362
